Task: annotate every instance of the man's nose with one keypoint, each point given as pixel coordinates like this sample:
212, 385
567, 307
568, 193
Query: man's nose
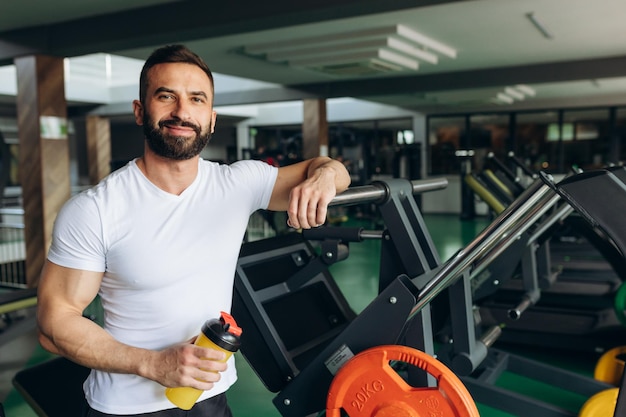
181, 110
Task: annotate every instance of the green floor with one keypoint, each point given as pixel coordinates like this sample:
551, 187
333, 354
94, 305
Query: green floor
358, 279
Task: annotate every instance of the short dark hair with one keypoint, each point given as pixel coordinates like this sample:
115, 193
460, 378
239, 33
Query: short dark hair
170, 54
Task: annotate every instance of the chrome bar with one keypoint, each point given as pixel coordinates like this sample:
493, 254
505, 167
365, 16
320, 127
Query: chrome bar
559, 215
491, 335
377, 192
511, 223
371, 234
499, 247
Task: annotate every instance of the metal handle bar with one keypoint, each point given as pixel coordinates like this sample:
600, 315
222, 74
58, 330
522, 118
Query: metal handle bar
491, 157
345, 234
522, 166
377, 192
498, 247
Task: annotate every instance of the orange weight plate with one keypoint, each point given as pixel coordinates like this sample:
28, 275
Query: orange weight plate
367, 386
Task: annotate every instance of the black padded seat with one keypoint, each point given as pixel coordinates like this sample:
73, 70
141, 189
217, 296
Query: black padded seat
53, 388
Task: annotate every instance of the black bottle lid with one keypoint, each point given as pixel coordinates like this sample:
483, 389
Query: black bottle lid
224, 332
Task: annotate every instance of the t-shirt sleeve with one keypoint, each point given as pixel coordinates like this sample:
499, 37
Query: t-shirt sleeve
77, 236
259, 178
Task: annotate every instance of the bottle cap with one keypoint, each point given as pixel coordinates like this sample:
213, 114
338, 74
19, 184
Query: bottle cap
224, 332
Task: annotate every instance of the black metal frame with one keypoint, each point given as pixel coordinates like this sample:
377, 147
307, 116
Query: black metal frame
411, 276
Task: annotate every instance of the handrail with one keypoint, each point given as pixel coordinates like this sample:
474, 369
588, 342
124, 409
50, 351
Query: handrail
377, 192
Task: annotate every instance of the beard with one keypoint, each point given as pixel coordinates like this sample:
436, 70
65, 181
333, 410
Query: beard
178, 148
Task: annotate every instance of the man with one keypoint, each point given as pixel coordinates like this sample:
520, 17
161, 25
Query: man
158, 241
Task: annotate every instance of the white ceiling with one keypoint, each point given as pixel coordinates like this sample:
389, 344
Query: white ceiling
583, 64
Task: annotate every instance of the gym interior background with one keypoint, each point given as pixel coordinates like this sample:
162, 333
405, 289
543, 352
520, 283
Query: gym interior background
413, 90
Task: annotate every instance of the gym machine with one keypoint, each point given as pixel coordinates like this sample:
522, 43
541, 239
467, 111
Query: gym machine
575, 248
17, 313
575, 310
284, 338
567, 312
599, 196
412, 277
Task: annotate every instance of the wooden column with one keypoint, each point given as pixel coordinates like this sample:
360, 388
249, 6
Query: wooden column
98, 148
44, 168
314, 129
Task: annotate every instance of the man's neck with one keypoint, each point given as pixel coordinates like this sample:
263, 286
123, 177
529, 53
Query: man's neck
171, 176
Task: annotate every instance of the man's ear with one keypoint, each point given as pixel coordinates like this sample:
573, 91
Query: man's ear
213, 117
138, 112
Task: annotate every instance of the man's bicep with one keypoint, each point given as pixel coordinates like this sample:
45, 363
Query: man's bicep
66, 290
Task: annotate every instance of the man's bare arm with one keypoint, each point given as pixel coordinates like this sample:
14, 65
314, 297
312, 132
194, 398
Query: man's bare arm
64, 293
304, 190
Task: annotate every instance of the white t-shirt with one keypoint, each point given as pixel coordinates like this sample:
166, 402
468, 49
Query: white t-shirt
168, 262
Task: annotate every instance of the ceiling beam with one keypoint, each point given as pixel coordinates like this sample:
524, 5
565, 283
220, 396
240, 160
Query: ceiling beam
492, 77
182, 22
460, 80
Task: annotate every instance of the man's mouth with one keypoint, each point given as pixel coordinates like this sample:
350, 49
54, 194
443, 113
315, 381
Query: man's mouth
180, 126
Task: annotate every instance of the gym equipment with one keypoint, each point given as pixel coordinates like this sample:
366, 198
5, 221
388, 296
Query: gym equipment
480, 188
411, 277
17, 300
600, 198
522, 168
506, 176
480, 376
275, 277
554, 303
571, 308
290, 370
620, 304
597, 197
600, 404
12, 307
608, 403
296, 311
53, 388
610, 367
368, 386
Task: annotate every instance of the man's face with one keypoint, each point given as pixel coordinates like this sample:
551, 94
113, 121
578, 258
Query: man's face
177, 117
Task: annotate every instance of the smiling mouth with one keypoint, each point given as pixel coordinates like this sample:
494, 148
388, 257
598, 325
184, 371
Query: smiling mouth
180, 129
179, 126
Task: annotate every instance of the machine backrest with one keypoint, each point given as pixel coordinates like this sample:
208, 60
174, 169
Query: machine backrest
288, 306
600, 197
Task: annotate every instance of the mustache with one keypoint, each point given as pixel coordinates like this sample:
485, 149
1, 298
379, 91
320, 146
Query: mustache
174, 122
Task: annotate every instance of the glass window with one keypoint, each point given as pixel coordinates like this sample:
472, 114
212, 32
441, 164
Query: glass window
619, 135
277, 145
532, 146
444, 139
489, 133
585, 136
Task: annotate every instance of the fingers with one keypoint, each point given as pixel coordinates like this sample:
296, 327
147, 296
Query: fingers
194, 366
307, 208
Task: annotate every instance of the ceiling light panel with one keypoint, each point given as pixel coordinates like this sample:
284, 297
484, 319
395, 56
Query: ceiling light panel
526, 90
395, 48
380, 54
505, 98
511, 94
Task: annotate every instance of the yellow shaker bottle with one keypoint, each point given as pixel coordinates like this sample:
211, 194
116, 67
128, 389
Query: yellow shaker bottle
220, 334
